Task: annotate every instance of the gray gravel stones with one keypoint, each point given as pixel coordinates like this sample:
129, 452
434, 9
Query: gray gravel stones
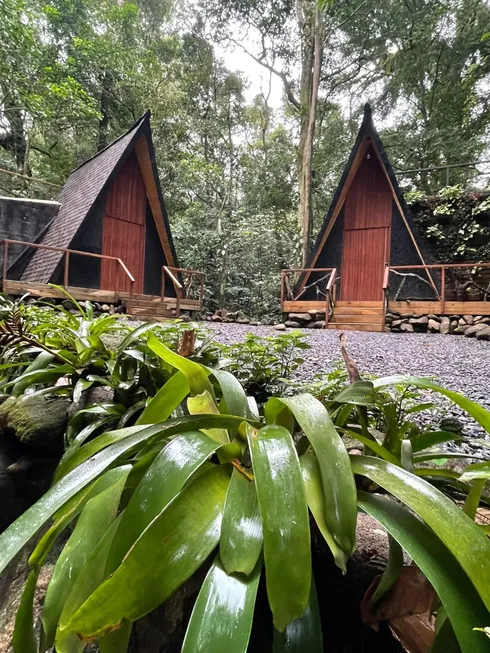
461, 364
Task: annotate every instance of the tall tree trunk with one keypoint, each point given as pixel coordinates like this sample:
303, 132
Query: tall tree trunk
312, 55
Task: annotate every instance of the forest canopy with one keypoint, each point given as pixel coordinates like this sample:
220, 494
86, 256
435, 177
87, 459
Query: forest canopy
246, 180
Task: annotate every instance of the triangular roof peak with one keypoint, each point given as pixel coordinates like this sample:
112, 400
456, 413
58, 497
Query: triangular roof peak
86, 184
367, 137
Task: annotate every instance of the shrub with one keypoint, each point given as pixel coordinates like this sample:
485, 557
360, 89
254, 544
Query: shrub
217, 477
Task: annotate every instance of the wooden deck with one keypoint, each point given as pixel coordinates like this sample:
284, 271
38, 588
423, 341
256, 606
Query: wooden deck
102, 296
426, 307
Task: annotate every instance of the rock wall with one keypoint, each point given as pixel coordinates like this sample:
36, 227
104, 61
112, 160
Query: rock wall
465, 325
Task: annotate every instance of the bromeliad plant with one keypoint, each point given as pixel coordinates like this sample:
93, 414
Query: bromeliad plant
153, 501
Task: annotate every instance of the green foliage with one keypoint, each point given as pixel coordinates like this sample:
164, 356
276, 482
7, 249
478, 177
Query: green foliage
263, 364
265, 472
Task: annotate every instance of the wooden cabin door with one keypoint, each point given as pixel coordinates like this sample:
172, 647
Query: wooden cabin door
367, 232
124, 229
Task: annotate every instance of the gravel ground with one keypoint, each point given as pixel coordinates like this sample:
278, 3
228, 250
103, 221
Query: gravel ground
458, 363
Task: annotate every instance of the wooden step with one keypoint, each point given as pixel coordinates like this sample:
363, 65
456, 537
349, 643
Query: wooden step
373, 304
355, 327
377, 319
354, 310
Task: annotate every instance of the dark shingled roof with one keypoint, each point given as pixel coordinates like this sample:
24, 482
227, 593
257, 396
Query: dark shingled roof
77, 197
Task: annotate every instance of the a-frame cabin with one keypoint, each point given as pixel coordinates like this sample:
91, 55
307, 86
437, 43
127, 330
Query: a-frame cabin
112, 210
367, 228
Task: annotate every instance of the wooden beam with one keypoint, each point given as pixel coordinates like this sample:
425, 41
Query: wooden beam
143, 156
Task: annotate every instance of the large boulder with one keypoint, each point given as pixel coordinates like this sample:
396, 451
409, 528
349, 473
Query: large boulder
423, 320
302, 318
292, 324
471, 331
483, 334
445, 326
433, 326
37, 420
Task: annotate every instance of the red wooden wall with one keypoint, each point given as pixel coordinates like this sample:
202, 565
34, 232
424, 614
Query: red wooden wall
366, 239
124, 229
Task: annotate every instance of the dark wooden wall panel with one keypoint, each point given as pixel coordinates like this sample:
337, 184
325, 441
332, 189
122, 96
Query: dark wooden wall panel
124, 229
366, 240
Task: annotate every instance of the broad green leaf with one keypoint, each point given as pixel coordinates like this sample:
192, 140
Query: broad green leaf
117, 641
134, 335
392, 570
164, 479
184, 535
377, 448
89, 578
475, 472
480, 414
455, 529
431, 439
204, 404
41, 361
67, 514
241, 530
166, 400
303, 635
233, 393
315, 497
76, 455
94, 520
473, 498
434, 455
360, 393
24, 637
284, 513
459, 597
221, 620
337, 477
19, 533
48, 375
196, 374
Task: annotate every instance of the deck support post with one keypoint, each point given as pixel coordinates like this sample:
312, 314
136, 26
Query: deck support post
5, 263
443, 290
66, 274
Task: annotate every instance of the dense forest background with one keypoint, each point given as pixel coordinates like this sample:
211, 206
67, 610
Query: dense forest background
246, 181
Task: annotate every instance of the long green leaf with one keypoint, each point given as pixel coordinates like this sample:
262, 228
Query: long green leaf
95, 519
337, 477
19, 533
166, 400
392, 570
459, 533
475, 472
431, 439
233, 394
170, 550
284, 513
303, 635
41, 361
196, 374
360, 393
166, 476
377, 448
459, 597
480, 414
241, 531
24, 638
310, 471
89, 578
221, 621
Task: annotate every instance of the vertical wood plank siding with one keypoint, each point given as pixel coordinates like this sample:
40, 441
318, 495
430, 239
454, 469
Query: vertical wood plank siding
124, 229
367, 224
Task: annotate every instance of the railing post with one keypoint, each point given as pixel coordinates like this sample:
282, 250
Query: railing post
67, 264
201, 291
130, 300
162, 285
5, 263
327, 306
443, 289
177, 303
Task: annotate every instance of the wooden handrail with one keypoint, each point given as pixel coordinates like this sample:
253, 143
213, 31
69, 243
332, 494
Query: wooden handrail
386, 278
332, 278
175, 281
438, 266
67, 252
179, 289
286, 290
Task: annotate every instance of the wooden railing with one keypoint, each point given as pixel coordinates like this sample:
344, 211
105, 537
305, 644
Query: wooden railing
183, 282
67, 252
462, 277
325, 287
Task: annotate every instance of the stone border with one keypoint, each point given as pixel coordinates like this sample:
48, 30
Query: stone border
465, 325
